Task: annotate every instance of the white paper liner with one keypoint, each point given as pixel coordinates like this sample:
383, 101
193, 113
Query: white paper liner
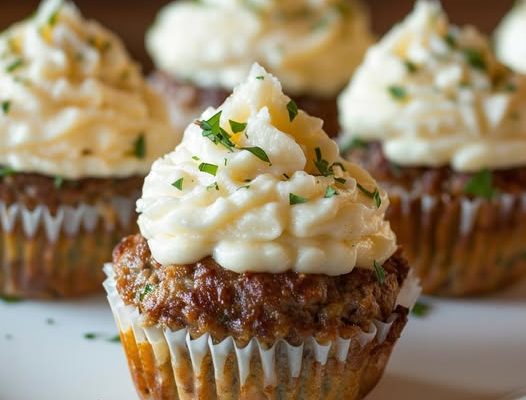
179, 342
468, 207
67, 219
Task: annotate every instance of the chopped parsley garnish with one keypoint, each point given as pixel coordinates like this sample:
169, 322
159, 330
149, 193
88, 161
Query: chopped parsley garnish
214, 132
379, 272
421, 309
237, 126
450, 40
53, 18
195, 158
208, 168
481, 185
397, 92
375, 195
292, 108
260, 77
410, 66
258, 152
295, 199
146, 291
139, 147
14, 65
90, 336
354, 143
178, 184
475, 59
6, 171
213, 186
10, 299
58, 181
510, 87
114, 339
244, 187
323, 165
330, 192
6, 106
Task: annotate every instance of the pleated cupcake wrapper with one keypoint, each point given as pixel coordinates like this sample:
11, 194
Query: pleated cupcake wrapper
169, 364
50, 254
461, 246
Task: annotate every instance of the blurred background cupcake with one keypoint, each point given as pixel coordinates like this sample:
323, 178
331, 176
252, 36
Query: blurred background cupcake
265, 267
79, 128
510, 38
442, 125
203, 49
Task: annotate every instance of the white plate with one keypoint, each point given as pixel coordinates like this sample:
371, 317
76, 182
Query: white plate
462, 350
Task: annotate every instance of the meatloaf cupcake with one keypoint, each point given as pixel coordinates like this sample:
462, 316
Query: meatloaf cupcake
79, 128
510, 38
442, 125
203, 49
265, 268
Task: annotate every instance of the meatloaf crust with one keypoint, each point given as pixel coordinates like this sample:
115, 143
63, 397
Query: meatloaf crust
204, 297
186, 96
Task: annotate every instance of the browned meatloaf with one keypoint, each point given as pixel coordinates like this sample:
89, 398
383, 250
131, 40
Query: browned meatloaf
429, 180
188, 96
205, 297
33, 189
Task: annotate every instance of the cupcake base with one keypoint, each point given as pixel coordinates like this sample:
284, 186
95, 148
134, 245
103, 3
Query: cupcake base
169, 364
48, 248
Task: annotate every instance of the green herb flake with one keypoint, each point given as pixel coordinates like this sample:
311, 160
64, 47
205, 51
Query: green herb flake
53, 18
90, 336
10, 299
295, 199
139, 147
214, 132
375, 195
244, 187
410, 66
114, 339
397, 92
292, 108
510, 87
258, 152
178, 184
195, 158
6, 106
260, 77
340, 180
354, 143
481, 185
330, 192
14, 65
237, 126
146, 291
475, 59
421, 309
58, 181
208, 168
6, 171
379, 272
213, 186
450, 40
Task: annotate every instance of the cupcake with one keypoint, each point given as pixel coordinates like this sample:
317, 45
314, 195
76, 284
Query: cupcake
203, 49
510, 37
442, 126
264, 268
79, 129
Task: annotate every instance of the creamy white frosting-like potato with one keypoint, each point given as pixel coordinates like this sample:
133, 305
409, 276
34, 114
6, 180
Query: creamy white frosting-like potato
73, 102
510, 38
434, 95
290, 202
311, 46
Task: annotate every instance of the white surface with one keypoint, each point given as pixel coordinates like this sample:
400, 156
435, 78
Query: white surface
462, 350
